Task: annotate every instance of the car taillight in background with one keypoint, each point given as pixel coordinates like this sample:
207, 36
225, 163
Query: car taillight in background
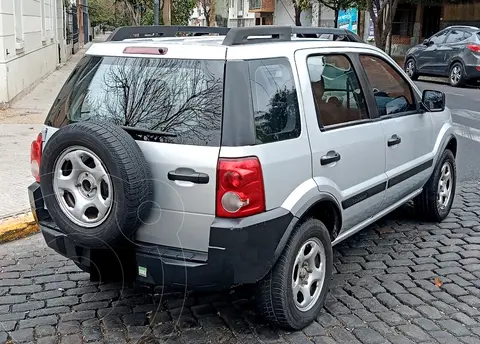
474, 47
240, 188
36, 156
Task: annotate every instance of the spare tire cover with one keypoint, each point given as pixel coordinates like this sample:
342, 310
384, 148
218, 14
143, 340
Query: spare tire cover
96, 183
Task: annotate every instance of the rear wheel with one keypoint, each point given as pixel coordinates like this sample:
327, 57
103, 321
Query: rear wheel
436, 200
411, 69
457, 75
293, 292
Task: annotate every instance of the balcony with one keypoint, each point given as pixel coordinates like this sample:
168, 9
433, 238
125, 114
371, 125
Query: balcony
261, 6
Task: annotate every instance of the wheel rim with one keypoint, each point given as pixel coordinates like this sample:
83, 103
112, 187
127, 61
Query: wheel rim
456, 74
410, 68
445, 186
308, 274
82, 187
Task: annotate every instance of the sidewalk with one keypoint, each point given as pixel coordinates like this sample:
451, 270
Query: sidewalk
19, 126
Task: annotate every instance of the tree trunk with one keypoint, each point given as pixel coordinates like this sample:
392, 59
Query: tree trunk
206, 14
298, 11
335, 23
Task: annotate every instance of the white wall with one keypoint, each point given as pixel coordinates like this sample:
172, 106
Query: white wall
285, 14
29, 36
238, 14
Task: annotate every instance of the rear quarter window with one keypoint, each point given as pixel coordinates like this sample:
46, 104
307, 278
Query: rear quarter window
179, 96
275, 102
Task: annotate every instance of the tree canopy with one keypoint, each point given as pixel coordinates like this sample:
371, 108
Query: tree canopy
136, 12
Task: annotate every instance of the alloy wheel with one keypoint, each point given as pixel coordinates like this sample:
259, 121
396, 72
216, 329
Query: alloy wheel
308, 274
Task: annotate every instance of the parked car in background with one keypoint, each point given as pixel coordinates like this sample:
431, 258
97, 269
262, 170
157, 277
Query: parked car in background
453, 52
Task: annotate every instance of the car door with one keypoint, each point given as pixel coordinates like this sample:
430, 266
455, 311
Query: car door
408, 140
453, 46
429, 61
348, 154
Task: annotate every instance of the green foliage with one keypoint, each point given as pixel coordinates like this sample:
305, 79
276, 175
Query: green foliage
337, 5
181, 11
102, 12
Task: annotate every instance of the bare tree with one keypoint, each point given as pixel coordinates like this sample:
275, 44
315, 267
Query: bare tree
382, 13
206, 7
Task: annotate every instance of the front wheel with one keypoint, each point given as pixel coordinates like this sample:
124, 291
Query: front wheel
411, 69
436, 200
293, 292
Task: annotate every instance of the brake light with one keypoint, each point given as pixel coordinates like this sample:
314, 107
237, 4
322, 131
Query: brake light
474, 47
145, 50
36, 157
240, 188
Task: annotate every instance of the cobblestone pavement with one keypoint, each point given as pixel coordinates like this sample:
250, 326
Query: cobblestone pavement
399, 281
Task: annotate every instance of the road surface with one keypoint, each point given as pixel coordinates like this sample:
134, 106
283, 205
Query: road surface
465, 106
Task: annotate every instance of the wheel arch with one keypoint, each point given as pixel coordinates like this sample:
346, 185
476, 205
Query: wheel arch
323, 207
452, 145
456, 59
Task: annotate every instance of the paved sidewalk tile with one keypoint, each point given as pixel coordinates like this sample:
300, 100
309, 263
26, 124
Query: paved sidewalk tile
397, 281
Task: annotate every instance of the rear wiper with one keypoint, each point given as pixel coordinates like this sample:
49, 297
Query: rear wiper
145, 133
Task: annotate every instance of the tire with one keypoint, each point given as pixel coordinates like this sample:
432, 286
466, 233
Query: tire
411, 69
103, 167
275, 292
426, 204
456, 76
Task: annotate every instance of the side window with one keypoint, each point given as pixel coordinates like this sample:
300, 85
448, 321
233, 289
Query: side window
336, 90
455, 36
439, 37
275, 102
392, 92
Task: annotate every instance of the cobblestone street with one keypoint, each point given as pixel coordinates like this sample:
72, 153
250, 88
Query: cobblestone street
399, 281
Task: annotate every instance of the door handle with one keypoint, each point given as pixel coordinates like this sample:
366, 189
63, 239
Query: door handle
329, 158
195, 177
393, 141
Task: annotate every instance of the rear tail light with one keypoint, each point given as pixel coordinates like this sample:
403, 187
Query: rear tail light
474, 47
36, 156
240, 188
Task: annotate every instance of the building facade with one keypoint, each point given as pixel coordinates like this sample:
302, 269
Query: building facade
32, 44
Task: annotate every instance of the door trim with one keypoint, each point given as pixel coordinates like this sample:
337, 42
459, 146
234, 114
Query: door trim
409, 173
374, 190
364, 195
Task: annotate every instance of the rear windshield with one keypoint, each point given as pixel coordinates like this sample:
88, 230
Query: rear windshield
183, 97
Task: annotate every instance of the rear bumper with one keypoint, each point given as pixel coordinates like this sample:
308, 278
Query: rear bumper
241, 251
472, 72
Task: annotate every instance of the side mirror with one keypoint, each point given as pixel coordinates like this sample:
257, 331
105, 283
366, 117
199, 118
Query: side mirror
434, 101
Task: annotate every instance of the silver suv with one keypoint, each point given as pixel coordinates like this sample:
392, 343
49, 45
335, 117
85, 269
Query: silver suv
206, 162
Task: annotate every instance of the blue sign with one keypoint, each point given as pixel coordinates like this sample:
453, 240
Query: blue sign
348, 19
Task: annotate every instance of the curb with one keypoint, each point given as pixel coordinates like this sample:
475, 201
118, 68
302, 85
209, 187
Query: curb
17, 227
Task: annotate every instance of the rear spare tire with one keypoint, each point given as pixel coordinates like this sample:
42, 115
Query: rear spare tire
96, 183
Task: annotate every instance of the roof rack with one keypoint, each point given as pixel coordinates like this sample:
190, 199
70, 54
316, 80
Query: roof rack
313, 32
271, 33
127, 32
261, 34
234, 36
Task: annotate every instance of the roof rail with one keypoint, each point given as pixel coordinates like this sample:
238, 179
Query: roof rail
312, 32
127, 32
271, 33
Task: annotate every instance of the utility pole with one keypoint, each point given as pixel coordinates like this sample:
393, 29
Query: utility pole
167, 12
156, 8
